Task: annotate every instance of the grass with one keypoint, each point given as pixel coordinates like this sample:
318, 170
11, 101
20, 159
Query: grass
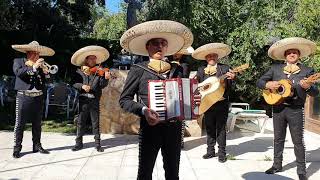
231, 157
47, 126
267, 158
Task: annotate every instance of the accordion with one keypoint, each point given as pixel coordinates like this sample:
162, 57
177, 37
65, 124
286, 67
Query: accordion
173, 98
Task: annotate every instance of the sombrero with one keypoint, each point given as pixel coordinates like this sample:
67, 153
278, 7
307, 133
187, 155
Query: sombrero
34, 46
79, 57
218, 48
305, 46
187, 51
178, 36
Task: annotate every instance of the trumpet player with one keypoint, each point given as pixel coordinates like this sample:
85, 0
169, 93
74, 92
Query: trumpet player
30, 85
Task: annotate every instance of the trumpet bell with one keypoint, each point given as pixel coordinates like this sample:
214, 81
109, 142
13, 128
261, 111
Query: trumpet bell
53, 69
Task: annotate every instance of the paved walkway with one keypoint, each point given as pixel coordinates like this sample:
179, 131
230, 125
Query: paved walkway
252, 153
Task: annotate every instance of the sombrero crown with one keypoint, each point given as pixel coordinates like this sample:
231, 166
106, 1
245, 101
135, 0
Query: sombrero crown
178, 36
305, 46
79, 57
218, 48
34, 46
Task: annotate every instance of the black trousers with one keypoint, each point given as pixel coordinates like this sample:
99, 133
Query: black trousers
215, 122
294, 117
88, 107
164, 136
28, 109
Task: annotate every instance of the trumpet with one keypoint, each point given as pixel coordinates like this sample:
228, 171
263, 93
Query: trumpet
52, 69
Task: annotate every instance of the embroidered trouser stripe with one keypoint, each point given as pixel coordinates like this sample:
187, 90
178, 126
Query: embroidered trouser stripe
28, 109
167, 137
294, 117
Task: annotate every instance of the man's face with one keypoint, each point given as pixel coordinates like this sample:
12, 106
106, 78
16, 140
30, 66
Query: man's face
177, 57
292, 55
33, 55
212, 58
157, 48
91, 61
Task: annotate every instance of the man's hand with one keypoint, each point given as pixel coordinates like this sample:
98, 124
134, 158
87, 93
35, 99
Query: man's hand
152, 116
197, 99
38, 63
272, 85
107, 75
230, 75
86, 88
303, 83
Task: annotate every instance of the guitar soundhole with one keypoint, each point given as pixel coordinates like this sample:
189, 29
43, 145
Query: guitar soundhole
281, 90
206, 87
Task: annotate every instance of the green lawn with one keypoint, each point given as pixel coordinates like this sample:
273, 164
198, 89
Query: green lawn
47, 126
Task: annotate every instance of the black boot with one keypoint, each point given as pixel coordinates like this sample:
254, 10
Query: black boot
222, 155
210, 153
98, 146
222, 158
302, 177
78, 146
16, 154
273, 170
39, 148
16, 151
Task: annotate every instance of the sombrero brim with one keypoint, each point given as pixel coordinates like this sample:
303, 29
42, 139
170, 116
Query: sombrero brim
135, 39
305, 46
218, 48
43, 50
187, 51
79, 57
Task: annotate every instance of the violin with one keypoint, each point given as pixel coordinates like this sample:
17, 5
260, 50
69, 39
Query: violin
99, 70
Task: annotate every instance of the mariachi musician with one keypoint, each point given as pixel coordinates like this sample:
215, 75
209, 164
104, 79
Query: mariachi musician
290, 111
155, 40
89, 81
216, 116
31, 76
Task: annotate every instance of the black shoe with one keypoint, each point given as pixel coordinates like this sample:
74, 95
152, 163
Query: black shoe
16, 154
77, 147
302, 177
222, 158
99, 149
209, 155
40, 149
273, 170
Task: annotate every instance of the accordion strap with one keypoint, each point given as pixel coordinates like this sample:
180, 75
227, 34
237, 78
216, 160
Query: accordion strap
150, 71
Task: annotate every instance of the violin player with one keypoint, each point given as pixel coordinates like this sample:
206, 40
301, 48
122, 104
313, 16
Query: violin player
89, 82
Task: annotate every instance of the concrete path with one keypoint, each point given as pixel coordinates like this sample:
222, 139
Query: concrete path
251, 152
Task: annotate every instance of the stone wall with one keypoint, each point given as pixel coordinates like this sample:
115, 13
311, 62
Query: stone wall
112, 118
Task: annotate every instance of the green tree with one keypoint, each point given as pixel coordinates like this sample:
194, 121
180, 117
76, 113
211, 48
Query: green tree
249, 27
106, 25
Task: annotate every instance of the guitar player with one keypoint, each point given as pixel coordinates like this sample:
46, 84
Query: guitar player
216, 116
291, 111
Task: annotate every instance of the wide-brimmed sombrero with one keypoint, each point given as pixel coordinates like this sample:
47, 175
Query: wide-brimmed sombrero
79, 57
178, 36
187, 51
305, 46
34, 46
218, 48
